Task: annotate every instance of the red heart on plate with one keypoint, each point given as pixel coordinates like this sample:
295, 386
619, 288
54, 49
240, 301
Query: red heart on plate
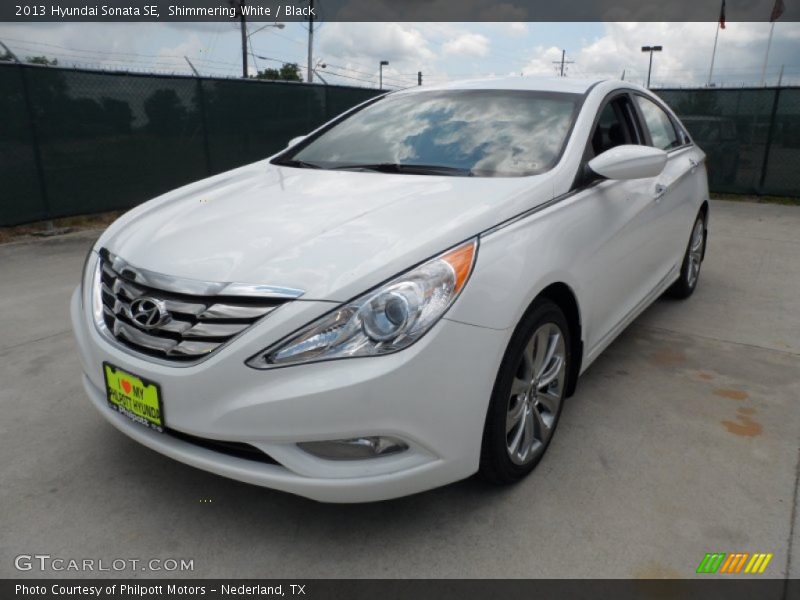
126, 385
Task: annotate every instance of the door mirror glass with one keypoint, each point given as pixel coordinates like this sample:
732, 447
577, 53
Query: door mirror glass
629, 162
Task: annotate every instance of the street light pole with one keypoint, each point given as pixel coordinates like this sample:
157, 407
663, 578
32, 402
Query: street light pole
383, 63
650, 49
252, 33
275, 25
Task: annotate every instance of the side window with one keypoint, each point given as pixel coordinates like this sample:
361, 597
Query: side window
659, 124
613, 128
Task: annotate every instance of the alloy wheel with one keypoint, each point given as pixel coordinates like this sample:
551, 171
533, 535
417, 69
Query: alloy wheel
695, 253
536, 394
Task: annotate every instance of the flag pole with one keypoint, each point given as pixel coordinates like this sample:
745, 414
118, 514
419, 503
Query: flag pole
713, 56
766, 56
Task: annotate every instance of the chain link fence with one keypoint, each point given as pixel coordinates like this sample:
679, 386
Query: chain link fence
80, 142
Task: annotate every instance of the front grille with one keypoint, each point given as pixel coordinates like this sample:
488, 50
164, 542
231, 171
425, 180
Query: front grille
185, 326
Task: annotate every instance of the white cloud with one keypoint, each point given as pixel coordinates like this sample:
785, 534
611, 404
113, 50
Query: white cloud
173, 57
514, 29
387, 41
686, 56
113, 46
354, 50
468, 44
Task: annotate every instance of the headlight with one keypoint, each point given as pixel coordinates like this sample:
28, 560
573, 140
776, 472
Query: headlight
384, 320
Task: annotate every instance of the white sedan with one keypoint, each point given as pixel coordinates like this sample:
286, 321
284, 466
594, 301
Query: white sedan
401, 299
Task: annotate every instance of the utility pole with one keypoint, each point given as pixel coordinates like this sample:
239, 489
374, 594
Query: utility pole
650, 49
243, 23
419, 77
310, 69
563, 61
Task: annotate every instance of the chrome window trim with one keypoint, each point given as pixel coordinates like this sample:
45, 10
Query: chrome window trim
196, 287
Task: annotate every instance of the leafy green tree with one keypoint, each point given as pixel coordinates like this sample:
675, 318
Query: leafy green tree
287, 72
269, 74
42, 60
290, 72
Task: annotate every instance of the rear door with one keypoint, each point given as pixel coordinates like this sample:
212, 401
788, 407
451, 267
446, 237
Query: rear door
675, 199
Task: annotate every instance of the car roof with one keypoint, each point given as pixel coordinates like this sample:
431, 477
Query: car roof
532, 83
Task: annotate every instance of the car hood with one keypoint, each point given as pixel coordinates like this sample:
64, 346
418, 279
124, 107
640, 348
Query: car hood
333, 234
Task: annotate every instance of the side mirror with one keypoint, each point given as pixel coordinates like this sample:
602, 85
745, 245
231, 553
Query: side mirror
295, 140
629, 162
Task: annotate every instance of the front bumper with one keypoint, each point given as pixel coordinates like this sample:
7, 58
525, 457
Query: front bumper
433, 395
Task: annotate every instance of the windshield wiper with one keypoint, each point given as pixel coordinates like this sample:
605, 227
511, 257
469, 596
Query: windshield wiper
302, 164
410, 169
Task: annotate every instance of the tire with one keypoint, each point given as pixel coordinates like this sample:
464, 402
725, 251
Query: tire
539, 350
692, 261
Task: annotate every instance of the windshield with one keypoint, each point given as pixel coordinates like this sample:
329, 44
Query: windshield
487, 133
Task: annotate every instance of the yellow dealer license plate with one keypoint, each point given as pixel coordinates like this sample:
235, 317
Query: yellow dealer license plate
134, 397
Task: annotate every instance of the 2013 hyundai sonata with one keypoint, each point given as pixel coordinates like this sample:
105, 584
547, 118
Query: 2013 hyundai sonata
400, 299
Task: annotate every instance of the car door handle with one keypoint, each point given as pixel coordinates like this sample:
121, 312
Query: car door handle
694, 164
660, 191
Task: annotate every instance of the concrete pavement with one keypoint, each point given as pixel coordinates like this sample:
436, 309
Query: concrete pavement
682, 439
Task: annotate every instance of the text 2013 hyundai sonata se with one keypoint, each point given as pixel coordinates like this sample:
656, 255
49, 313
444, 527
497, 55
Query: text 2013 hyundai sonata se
400, 299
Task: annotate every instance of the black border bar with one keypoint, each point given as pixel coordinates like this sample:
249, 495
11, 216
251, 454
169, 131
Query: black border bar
394, 10
705, 588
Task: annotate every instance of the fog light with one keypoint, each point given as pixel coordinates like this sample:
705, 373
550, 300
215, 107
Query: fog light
356, 448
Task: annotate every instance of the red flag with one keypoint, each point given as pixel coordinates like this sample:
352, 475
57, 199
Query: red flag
722, 15
777, 10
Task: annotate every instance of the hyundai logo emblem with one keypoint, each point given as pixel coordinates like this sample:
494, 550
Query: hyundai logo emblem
148, 313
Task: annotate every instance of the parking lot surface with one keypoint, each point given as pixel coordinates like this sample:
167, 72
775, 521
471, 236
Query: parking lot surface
682, 439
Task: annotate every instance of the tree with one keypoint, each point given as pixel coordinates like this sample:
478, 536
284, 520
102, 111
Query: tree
42, 60
287, 72
269, 74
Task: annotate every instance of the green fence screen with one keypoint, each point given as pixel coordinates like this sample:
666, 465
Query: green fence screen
79, 142
751, 136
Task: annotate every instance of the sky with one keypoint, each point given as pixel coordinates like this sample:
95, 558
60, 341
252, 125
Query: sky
442, 51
